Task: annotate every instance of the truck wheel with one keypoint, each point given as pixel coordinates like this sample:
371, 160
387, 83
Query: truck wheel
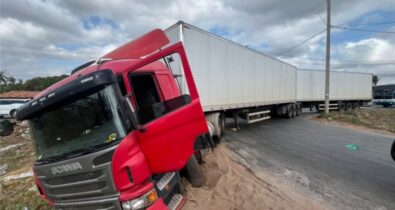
222, 124
293, 110
298, 109
355, 106
349, 107
393, 150
199, 157
342, 107
289, 112
193, 173
13, 113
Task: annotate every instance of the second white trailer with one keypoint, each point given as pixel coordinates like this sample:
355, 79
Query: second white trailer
347, 90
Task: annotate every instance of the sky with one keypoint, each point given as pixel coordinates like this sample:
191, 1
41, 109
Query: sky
51, 37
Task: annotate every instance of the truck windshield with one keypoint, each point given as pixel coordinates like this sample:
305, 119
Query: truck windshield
90, 123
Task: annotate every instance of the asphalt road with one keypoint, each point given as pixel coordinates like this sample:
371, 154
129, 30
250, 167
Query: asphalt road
312, 157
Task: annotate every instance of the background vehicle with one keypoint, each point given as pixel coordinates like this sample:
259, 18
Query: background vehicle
8, 107
348, 90
384, 95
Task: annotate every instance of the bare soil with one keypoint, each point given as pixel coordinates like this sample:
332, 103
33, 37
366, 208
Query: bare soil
230, 185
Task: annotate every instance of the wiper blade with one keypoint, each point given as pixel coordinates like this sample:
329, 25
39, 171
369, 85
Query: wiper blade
69, 155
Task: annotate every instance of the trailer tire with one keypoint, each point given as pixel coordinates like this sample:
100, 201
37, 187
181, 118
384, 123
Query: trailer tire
221, 122
298, 109
342, 107
290, 111
355, 106
193, 172
348, 106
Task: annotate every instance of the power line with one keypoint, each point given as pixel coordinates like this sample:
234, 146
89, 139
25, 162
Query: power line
59, 55
356, 60
50, 50
363, 30
374, 23
297, 45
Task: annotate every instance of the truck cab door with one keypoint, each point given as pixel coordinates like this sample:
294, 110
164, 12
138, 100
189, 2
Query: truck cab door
171, 130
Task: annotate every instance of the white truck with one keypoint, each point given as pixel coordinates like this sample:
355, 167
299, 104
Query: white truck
235, 80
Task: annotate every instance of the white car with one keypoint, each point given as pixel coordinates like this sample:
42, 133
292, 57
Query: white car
8, 107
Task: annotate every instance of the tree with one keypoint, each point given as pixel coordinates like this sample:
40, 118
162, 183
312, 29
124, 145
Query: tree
3, 77
375, 80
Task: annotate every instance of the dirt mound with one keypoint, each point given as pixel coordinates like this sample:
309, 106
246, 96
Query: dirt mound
230, 185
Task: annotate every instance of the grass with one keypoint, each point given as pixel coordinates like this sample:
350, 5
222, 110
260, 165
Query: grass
378, 119
20, 193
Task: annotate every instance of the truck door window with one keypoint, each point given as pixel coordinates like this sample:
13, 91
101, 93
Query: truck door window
146, 91
146, 94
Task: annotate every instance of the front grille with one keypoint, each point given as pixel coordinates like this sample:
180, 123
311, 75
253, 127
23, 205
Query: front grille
74, 178
102, 204
75, 191
88, 183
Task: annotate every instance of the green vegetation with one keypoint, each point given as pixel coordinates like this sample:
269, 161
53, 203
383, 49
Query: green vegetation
378, 119
9, 83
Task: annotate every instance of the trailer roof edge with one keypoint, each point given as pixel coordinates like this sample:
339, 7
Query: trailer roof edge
180, 22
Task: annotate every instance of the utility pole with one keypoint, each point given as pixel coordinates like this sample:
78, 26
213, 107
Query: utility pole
328, 54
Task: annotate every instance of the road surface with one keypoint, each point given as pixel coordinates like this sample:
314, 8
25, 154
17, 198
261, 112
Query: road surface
312, 158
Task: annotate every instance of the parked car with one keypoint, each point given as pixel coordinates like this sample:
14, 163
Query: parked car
8, 107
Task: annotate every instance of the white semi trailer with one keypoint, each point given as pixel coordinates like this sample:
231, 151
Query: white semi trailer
235, 80
348, 90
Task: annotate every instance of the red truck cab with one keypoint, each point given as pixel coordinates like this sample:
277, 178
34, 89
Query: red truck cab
115, 133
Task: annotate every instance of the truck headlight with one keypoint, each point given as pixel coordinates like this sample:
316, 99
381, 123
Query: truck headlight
141, 202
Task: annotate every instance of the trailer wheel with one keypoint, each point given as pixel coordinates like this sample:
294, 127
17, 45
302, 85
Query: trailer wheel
290, 111
356, 106
349, 107
193, 173
342, 107
221, 122
298, 109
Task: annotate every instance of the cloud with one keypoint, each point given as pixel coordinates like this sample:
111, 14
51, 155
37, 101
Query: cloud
59, 34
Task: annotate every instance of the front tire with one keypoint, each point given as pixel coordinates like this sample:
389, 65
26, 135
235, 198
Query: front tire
13, 113
193, 172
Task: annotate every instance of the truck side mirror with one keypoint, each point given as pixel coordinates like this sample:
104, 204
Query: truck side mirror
6, 128
393, 150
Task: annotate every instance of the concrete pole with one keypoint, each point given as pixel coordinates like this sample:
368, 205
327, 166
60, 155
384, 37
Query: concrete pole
328, 55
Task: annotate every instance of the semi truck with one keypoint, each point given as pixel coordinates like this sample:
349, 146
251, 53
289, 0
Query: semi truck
348, 90
118, 132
